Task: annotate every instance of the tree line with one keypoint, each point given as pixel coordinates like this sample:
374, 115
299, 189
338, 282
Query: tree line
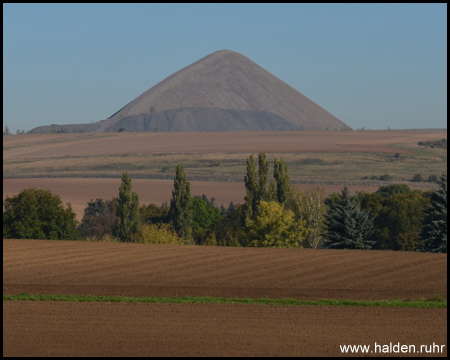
274, 214
18, 131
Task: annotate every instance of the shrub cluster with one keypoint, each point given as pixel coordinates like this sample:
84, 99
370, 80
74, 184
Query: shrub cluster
440, 144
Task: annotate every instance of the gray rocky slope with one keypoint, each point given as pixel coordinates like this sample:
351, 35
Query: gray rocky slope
224, 91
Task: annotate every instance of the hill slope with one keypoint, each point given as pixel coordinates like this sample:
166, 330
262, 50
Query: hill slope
224, 91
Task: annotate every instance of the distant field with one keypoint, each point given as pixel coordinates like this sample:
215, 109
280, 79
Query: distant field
327, 157
60, 145
80, 167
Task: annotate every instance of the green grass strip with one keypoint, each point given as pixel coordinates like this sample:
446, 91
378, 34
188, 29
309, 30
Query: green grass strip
435, 302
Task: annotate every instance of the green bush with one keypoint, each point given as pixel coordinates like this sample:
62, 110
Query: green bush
38, 214
106, 238
204, 214
433, 178
99, 220
386, 177
399, 222
158, 234
386, 191
154, 214
441, 144
230, 230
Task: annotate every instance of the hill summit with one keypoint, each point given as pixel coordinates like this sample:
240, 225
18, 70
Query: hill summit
224, 91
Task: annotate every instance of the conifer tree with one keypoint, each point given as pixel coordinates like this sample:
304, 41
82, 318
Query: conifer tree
231, 207
127, 211
281, 175
434, 233
181, 206
348, 227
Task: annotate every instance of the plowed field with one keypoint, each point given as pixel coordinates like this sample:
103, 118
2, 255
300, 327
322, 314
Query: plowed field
125, 329
74, 268
119, 329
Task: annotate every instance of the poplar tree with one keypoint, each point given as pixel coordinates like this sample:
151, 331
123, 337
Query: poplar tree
281, 175
251, 185
127, 211
272, 192
256, 184
263, 174
348, 227
181, 206
434, 233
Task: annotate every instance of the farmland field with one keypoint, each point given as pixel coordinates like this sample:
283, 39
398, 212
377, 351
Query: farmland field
51, 145
74, 268
119, 329
70, 267
357, 157
81, 167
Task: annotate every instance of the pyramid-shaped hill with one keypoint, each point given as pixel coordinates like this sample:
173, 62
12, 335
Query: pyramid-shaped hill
224, 91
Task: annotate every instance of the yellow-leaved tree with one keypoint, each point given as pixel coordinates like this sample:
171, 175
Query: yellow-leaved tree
274, 226
158, 234
309, 205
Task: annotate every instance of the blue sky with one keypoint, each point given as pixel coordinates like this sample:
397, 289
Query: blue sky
369, 65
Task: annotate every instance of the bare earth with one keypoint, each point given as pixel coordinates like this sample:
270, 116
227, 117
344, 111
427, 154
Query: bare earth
123, 329
119, 329
72, 267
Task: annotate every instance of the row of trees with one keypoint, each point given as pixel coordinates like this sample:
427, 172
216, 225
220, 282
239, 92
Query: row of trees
18, 131
274, 215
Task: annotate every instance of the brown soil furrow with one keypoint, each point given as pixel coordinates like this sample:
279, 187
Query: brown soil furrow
228, 271
120, 329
